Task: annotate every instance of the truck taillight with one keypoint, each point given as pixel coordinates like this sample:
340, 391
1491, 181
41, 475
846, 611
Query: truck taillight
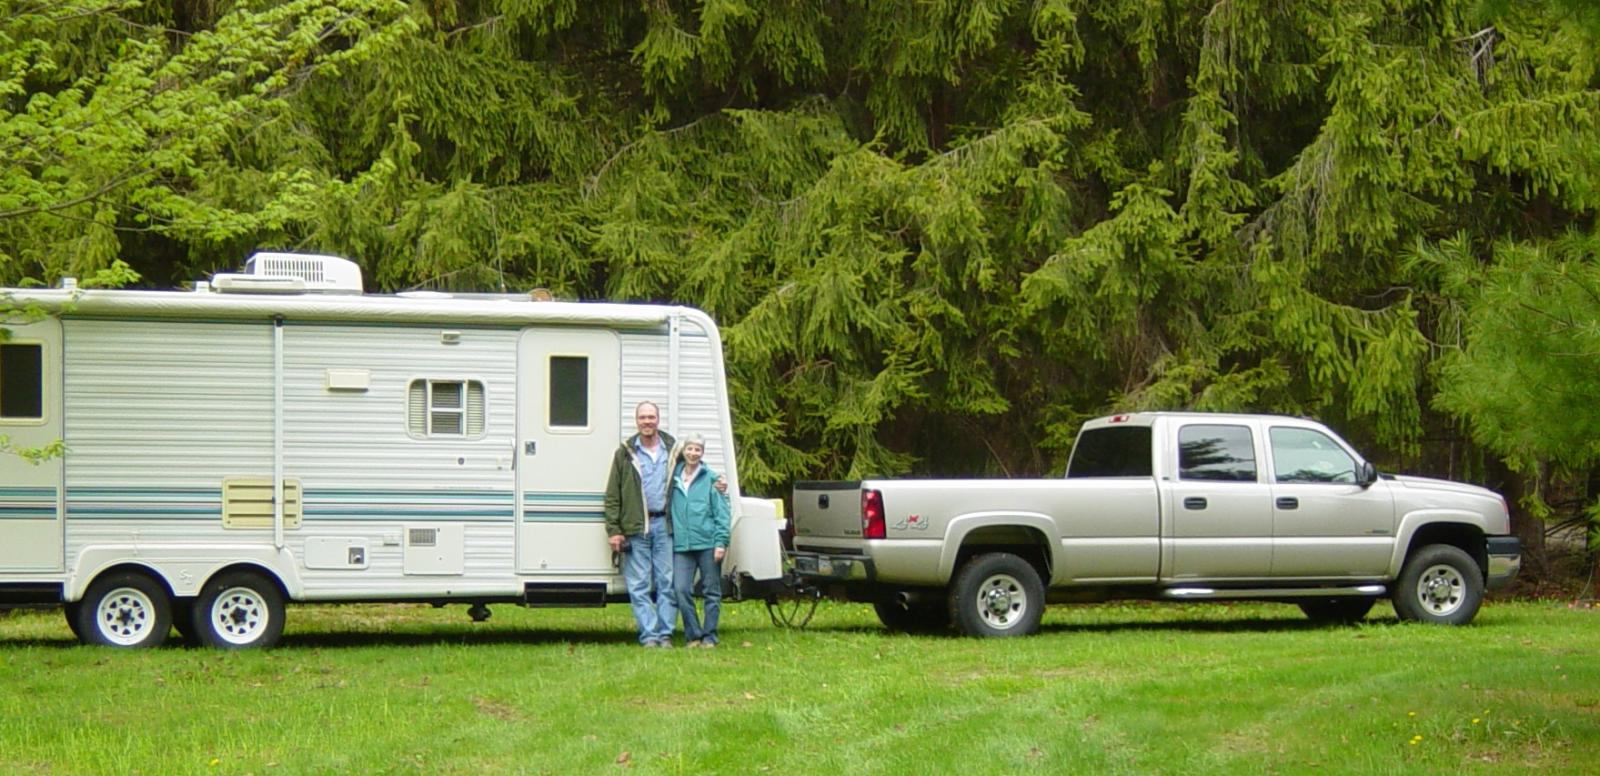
872, 525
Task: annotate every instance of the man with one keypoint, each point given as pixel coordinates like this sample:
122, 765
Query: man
636, 503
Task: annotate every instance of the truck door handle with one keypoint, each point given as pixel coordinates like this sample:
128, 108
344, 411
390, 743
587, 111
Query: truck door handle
1288, 502
1194, 502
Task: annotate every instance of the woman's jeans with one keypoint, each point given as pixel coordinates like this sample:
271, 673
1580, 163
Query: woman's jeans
684, 566
648, 571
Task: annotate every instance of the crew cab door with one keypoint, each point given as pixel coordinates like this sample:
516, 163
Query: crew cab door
1324, 525
1220, 504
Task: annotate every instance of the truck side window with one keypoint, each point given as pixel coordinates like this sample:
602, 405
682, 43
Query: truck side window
1117, 451
1225, 453
1306, 455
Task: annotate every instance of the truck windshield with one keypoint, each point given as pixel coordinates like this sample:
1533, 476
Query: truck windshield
1114, 451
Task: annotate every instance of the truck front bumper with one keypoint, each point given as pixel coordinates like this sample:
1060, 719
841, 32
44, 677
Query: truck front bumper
1505, 560
819, 568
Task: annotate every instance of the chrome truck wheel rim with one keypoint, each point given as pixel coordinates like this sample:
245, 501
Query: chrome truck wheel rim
1441, 589
1001, 601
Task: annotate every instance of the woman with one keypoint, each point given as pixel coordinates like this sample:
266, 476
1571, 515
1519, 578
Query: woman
700, 527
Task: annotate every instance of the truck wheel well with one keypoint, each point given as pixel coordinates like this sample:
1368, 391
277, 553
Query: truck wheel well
1466, 537
1029, 544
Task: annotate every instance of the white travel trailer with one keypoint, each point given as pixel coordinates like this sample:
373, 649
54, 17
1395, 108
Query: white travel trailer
277, 435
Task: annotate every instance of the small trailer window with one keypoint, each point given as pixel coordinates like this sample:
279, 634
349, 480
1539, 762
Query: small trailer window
445, 408
569, 391
21, 381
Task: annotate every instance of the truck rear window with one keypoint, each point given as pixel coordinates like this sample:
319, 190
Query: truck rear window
1114, 451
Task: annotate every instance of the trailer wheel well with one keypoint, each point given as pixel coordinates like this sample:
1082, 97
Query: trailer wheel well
252, 568
132, 568
1027, 543
1466, 537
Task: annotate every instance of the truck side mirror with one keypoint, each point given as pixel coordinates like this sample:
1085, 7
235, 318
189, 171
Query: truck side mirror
1368, 475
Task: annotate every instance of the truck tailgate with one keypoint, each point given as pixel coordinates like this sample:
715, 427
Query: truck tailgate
827, 510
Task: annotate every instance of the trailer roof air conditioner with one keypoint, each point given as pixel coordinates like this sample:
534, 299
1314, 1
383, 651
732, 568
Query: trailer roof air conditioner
292, 273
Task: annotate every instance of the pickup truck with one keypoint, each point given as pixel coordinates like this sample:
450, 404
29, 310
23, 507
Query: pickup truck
1176, 506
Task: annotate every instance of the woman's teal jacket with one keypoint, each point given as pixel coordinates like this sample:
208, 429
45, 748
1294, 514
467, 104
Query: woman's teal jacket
700, 518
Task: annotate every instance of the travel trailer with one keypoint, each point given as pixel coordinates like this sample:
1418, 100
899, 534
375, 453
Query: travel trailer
276, 435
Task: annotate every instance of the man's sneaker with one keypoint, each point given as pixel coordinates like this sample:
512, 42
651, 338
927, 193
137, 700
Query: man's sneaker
650, 644
696, 644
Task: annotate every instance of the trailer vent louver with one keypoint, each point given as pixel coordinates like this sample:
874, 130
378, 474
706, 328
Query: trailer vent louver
423, 537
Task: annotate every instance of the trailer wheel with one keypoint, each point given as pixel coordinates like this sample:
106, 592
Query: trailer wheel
1439, 584
1342, 610
71, 609
238, 610
913, 618
183, 619
997, 595
124, 610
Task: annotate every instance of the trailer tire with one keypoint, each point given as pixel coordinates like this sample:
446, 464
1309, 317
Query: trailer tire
913, 618
126, 609
183, 619
238, 610
997, 595
1440, 584
71, 609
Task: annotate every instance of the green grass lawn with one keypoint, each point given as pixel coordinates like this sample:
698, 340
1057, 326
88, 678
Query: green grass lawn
1102, 689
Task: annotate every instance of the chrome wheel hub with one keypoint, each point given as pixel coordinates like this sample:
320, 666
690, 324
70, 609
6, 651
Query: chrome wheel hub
1001, 601
1441, 589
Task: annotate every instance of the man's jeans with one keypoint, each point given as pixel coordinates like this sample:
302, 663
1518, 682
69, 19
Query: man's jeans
684, 566
648, 572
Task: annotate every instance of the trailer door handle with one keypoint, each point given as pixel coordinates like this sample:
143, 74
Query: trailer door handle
1194, 502
530, 447
1288, 502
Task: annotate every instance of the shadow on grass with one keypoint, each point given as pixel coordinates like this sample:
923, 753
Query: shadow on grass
454, 637
1249, 625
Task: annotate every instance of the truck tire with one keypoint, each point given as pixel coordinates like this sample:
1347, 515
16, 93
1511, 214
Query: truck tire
238, 610
1439, 584
913, 618
997, 595
127, 609
1341, 610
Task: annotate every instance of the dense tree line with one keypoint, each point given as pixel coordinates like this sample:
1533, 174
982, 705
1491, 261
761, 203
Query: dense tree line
939, 235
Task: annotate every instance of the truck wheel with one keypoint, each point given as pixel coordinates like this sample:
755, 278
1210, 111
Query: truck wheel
1439, 584
238, 610
995, 595
913, 618
124, 610
1342, 610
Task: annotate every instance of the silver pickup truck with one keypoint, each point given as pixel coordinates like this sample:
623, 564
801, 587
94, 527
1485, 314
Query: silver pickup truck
1184, 506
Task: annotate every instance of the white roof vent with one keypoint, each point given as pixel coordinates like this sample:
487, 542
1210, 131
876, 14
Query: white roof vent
289, 273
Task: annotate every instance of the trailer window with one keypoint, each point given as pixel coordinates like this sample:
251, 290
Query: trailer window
1224, 453
569, 391
21, 381
445, 408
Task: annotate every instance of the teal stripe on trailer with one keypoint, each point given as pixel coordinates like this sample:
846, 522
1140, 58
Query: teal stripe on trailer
28, 492
546, 516
27, 512
548, 497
